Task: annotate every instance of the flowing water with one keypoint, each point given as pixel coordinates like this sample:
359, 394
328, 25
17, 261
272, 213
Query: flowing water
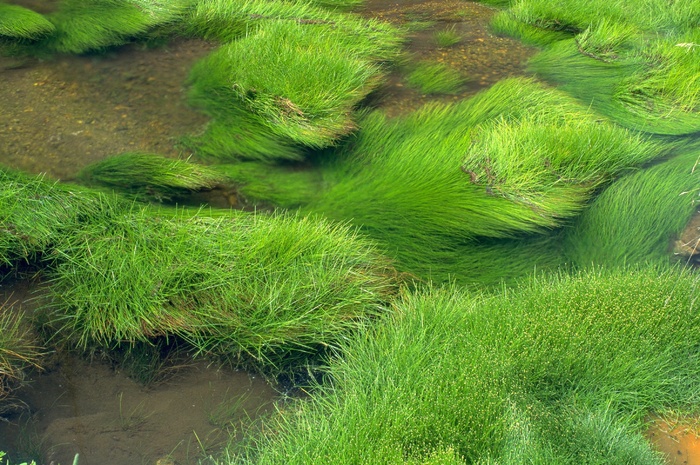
60, 114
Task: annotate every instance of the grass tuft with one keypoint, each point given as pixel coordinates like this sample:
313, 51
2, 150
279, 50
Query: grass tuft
151, 176
265, 292
435, 78
447, 37
17, 22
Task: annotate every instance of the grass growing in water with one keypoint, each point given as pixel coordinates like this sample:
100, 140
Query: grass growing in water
269, 292
88, 25
634, 219
447, 37
563, 370
18, 350
17, 22
435, 78
36, 213
299, 82
151, 176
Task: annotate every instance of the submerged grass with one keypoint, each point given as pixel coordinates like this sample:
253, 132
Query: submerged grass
447, 37
561, 370
268, 292
151, 176
17, 22
435, 78
19, 350
635, 219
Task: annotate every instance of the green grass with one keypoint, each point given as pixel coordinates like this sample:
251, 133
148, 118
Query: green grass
19, 350
36, 213
635, 63
635, 219
225, 21
562, 370
660, 99
447, 37
17, 22
286, 186
268, 292
299, 81
92, 25
435, 78
151, 176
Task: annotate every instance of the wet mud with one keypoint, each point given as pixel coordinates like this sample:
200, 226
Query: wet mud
680, 443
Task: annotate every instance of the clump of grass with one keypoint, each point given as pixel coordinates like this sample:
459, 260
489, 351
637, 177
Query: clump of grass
267, 292
268, 74
435, 78
151, 176
225, 21
562, 370
89, 25
17, 22
19, 350
630, 92
447, 37
607, 40
35, 213
634, 219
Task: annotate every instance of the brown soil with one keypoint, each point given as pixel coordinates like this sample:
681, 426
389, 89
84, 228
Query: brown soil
680, 443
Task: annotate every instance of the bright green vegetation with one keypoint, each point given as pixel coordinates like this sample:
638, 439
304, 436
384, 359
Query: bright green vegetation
151, 176
562, 370
35, 214
225, 21
18, 350
638, 64
264, 291
435, 78
432, 187
286, 186
88, 25
633, 220
21, 23
297, 80
290, 83
447, 37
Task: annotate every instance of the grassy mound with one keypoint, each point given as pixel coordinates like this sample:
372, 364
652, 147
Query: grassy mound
659, 98
637, 64
151, 176
21, 23
264, 291
88, 25
562, 371
634, 219
35, 214
298, 83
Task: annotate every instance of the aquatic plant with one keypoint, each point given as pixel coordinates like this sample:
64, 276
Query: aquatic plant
286, 186
151, 176
225, 21
660, 98
19, 350
561, 370
87, 25
269, 292
17, 22
447, 37
36, 212
435, 78
635, 218
267, 74
504, 23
